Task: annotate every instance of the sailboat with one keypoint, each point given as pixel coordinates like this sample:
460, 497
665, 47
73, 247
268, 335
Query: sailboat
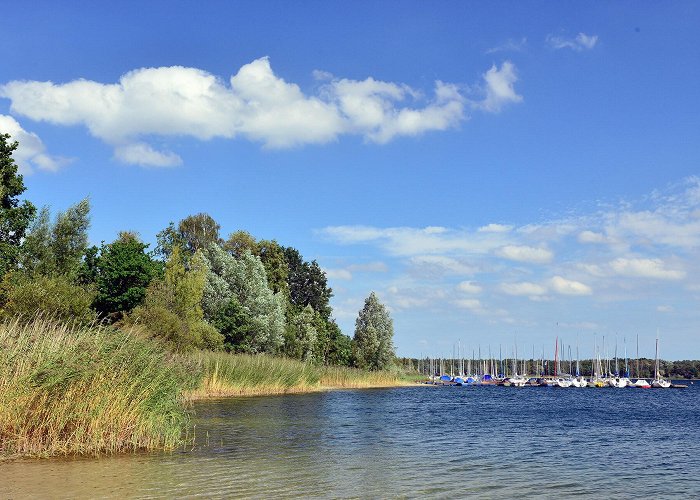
617, 381
658, 382
640, 382
578, 381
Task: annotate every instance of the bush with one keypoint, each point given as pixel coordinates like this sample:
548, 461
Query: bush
57, 297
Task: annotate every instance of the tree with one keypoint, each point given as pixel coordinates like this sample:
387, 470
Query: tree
14, 217
56, 248
272, 256
374, 332
69, 237
307, 283
245, 281
301, 335
123, 271
239, 243
198, 231
172, 307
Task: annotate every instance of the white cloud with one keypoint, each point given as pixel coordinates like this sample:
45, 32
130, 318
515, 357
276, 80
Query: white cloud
664, 309
338, 274
523, 289
439, 265
469, 287
565, 286
592, 237
495, 228
31, 152
142, 154
509, 45
471, 304
525, 254
499, 88
579, 43
645, 268
255, 103
369, 267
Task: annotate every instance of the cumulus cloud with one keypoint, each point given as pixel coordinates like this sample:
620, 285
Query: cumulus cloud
495, 228
31, 152
645, 268
469, 287
592, 237
579, 43
523, 253
255, 104
565, 286
338, 274
499, 88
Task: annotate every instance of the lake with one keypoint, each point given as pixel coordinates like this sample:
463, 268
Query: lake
494, 442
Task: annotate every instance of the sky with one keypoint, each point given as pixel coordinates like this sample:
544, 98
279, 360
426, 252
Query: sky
501, 174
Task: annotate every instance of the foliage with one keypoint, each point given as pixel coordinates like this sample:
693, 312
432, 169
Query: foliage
14, 217
66, 390
339, 351
57, 248
239, 243
301, 335
197, 232
172, 307
261, 312
374, 332
57, 297
122, 273
307, 283
276, 269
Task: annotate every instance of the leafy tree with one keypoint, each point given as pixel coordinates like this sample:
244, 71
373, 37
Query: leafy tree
172, 307
307, 283
57, 248
69, 237
339, 346
239, 243
374, 332
244, 279
301, 335
272, 256
123, 271
14, 217
235, 324
167, 239
198, 231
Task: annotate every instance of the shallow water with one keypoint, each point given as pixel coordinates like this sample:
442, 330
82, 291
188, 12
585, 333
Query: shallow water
494, 442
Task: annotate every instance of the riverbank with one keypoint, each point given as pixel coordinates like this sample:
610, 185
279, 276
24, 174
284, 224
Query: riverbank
224, 374
68, 390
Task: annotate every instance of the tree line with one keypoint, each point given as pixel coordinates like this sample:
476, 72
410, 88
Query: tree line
194, 290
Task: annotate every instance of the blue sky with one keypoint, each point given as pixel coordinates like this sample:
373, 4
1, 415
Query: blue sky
494, 171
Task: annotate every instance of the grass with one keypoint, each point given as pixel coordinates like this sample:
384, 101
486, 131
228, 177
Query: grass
67, 390
245, 375
74, 390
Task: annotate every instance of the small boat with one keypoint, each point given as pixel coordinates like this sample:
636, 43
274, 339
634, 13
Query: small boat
642, 384
563, 382
518, 381
659, 382
579, 382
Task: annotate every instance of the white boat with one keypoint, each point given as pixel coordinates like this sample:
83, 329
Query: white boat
642, 384
563, 382
618, 382
659, 382
518, 380
579, 382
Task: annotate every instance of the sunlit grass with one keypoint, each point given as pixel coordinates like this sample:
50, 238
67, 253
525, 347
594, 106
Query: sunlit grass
243, 375
72, 390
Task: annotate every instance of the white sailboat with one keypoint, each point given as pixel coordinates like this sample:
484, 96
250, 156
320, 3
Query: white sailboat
659, 382
640, 383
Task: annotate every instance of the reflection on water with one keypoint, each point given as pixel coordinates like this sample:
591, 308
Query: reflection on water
408, 442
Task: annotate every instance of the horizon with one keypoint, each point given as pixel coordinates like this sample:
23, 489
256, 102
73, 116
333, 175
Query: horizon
489, 175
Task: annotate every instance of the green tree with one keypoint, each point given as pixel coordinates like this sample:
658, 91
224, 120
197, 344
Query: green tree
276, 269
239, 243
197, 232
374, 333
172, 307
57, 248
301, 335
307, 283
123, 271
244, 279
14, 217
339, 346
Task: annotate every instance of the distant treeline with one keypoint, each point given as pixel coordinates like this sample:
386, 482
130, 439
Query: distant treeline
642, 368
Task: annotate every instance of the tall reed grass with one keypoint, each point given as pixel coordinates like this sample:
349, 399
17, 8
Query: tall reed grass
242, 375
69, 389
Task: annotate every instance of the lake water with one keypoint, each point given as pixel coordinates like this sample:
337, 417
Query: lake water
494, 442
